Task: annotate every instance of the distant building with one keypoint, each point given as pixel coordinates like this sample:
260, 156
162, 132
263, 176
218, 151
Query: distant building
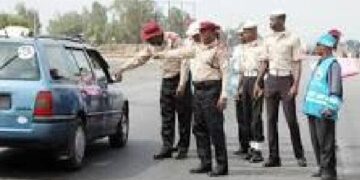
15, 31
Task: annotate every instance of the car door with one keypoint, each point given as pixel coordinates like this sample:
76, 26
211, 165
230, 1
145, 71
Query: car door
112, 102
91, 92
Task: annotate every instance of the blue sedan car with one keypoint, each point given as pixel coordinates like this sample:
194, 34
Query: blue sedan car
58, 94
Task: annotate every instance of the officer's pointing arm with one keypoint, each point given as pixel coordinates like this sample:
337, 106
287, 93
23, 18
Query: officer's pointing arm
177, 54
140, 59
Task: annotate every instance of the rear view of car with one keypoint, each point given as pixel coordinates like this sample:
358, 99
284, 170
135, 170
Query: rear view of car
20, 84
58, 95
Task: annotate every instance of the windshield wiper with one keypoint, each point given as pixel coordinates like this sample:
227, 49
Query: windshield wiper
8, 61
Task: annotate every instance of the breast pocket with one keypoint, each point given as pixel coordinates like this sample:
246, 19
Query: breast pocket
210, 60
284, 48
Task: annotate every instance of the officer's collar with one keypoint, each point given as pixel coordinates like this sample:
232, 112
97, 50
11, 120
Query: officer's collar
253, 43
281, 34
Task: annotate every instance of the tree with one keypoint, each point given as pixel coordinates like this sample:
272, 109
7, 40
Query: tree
25, 17
12, 20
130, 15
30, 16
96, 23
176, 20
68, 24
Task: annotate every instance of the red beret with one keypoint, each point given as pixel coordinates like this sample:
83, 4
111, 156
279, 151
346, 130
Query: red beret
335, 33
207, 25
150, 30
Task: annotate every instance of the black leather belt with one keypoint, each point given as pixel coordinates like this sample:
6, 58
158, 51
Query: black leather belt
203, 85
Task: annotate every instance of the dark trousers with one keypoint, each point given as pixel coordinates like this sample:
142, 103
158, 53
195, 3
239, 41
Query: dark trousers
242, 130
252, 111
171, 105
322, 132
276, 90
208, 125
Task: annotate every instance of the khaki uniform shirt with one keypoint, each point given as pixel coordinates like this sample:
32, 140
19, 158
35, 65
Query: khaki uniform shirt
207, 62
170, 68
251, 54
282, 49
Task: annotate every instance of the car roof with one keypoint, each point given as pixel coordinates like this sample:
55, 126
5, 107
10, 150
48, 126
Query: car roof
47, 40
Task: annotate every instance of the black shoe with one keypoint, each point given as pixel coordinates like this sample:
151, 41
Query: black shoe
219, 171
174, 149
302, 162
181, 155
201, 169
163, 155
249, 154
272, 163
256, 157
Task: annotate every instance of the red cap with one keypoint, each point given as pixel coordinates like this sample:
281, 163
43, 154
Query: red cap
207, 25
335, 33
150, 30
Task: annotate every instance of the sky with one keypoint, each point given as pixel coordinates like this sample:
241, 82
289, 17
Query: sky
308, 18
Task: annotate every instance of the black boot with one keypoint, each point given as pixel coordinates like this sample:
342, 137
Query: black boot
163, 154
219, 171
250, 154
181, 155
273, 162
256, 157
202, 169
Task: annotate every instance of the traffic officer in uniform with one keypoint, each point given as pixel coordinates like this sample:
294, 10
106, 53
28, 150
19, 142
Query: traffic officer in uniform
208, 66
235, 65
282, 60
252, 52
175, 95
322, 103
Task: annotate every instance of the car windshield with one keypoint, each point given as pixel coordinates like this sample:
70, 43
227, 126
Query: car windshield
18, 62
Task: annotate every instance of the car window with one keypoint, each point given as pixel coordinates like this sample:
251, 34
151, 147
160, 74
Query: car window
99, 72
18, 62
61, 66
81, 60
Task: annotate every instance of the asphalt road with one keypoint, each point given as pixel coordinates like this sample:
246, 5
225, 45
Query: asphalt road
134, 162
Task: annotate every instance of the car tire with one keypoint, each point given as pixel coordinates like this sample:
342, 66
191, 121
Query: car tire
76, 149
120, 138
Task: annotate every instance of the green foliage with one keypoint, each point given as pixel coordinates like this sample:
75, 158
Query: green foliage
23, 17
119, 23
68, 24
176, 21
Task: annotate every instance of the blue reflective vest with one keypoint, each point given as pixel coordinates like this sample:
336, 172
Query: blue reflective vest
317, 97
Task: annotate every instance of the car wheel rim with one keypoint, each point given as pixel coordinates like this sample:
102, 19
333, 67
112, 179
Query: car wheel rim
79, 144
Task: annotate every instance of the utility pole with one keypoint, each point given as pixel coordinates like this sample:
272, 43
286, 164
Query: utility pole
169, 11
34, 25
